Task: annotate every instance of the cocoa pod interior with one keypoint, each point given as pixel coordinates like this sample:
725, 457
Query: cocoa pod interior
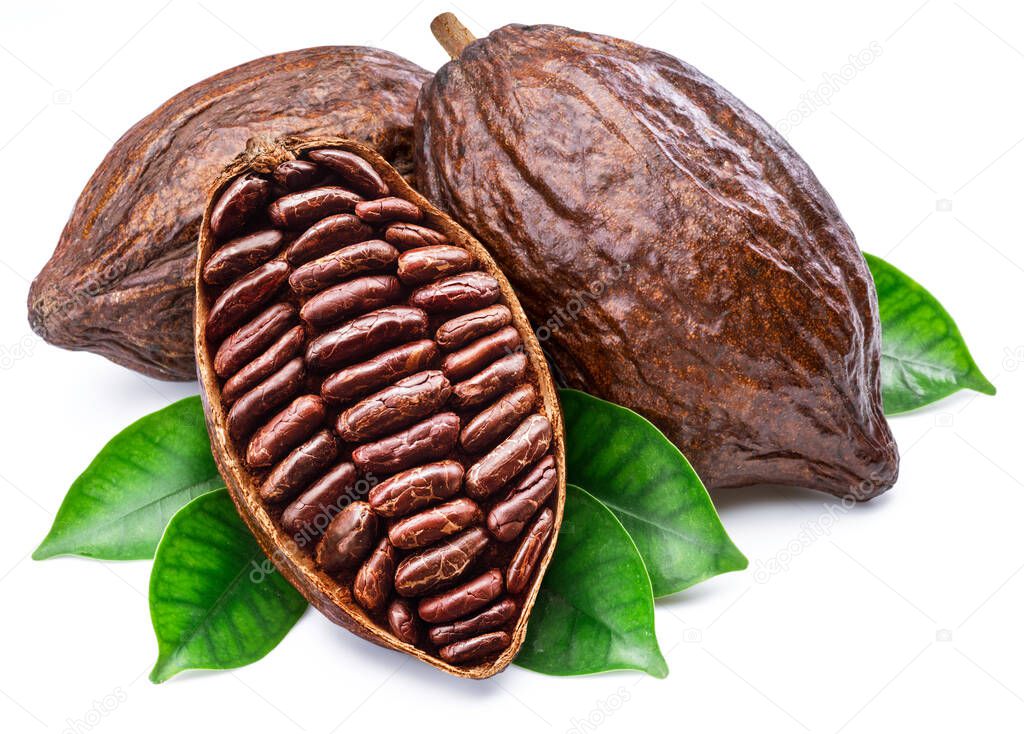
675, 253
339, 420
120, 282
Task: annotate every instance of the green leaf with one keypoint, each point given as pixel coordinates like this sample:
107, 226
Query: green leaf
628, 464
595, 610
119, 506
215, 599
924, 357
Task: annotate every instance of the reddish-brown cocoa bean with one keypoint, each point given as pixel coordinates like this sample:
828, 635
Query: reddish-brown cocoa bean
435, 523
509, 458
348, 539
366, 335
491, 382
246, 414
405, 402
465, 291
243, 198
325, 236
300, 467
387, 367
475, 648
350, 298
425, 264
416, 488
376, 578
239, 256
354, 170
303, 208
441, 564
469, 326
297, 175
428, 440
388, 209
275, 357
244, 297
462, 600
286, 430
405, 235
508, 517
309, 513
341, 264
250, 340
403, 621
520, 568
497, 420
485, 350
497, 615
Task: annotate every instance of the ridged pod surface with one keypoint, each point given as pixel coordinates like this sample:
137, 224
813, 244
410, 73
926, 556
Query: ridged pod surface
378, 406
674, 252
120, 282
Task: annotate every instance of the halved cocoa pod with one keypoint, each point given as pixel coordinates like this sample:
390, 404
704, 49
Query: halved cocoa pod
120, 281
388, 476
684, 260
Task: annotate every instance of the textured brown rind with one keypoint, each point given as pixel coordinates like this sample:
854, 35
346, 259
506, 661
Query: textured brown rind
681, 257
120, 282
335, 600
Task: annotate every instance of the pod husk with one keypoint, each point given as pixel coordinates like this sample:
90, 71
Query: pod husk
332, 599
120, 280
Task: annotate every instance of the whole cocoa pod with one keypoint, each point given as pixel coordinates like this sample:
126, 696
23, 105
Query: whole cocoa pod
677, 255
343, 452
120, 280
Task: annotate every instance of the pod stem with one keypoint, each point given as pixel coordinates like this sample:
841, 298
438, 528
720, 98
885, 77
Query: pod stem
451, 34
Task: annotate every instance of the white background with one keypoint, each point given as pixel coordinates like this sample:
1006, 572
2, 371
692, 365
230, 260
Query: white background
902, 613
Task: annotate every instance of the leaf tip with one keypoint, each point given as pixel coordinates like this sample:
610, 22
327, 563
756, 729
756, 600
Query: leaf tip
658, 667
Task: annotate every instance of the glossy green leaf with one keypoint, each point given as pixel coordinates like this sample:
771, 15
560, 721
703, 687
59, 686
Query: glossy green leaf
924, 357
595, 610
119, 506
628, 464
215, 600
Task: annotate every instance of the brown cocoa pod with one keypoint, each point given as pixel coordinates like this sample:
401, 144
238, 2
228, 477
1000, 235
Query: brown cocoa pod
339, 437
718, 291
120, 282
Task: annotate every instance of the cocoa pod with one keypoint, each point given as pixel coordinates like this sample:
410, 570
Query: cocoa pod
120, 281
340, 439
681, 258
